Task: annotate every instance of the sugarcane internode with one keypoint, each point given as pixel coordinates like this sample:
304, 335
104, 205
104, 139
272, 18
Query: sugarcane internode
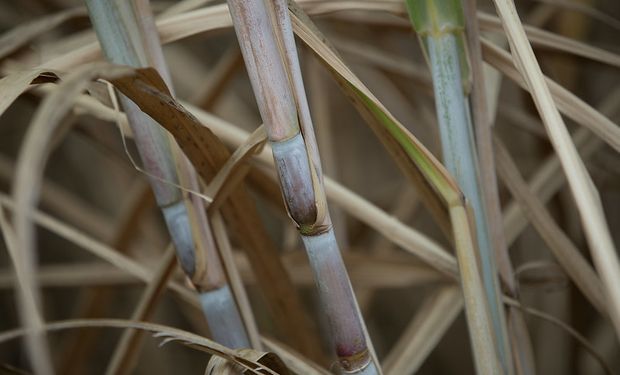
292, 161
177, 221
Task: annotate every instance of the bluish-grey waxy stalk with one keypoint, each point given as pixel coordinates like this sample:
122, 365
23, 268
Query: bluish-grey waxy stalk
440, 27
266, 39
128, 36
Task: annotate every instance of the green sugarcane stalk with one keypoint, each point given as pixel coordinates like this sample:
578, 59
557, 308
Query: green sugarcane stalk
128, 36
440, 27
265, 35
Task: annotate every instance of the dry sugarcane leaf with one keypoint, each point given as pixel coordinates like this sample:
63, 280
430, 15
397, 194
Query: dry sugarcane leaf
583, 341
124, 358
169, 334
546, 274
582, 188
22, 34
571, 105
37, 146
209, 155
221, 366
99, 249
184, 6
72, 275
548, 179
179, 26
544, 38
535, 35
234, 279
293, 360
568, 103
388, 61
559, 243
235, 169
64, 204
13, 85
137, 202
29, 301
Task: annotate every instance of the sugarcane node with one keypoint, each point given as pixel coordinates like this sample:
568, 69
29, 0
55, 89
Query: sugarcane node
355, 362
314, 229
204, 282
457, 199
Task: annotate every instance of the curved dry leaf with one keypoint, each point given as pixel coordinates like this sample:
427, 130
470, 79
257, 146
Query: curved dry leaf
293, 360
586, 9
583, 341
126, 350
543, 38
28, 301
13, 85
22, 34
567, 102
169, 334
582, 188
235, 168
183, 25
234, 279
222, 366
30, 165
566, 253
100, 250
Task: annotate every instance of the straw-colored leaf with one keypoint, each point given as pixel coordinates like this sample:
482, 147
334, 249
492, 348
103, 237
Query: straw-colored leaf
223, 366
28, 300
582, 188
168, 334
19, 36
539, 37
234, 278
560, 245
13, 85
567, 102
235, 169
99, 249
124, 358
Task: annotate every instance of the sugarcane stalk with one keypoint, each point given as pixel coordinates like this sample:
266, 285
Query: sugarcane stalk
265, 36
127, 34
440, 27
